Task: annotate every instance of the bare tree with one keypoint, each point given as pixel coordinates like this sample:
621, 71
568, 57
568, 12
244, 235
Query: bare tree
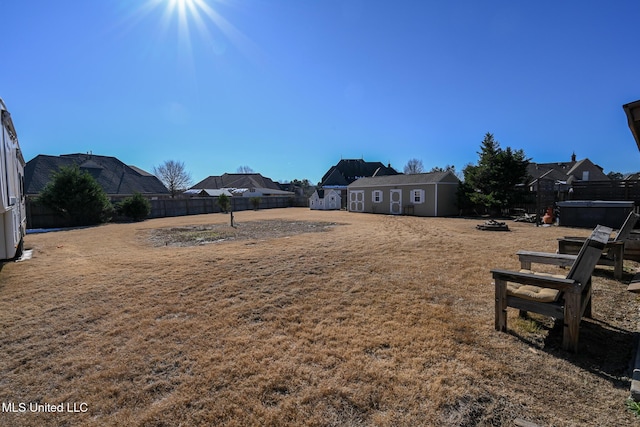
173, 175
451, 168
245, 169
413, 166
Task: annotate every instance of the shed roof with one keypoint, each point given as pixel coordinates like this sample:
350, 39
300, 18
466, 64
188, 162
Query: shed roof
418, 178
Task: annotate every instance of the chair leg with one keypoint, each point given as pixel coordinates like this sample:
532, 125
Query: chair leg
586, 295
501, 305
587, 310
618, 262
572, 317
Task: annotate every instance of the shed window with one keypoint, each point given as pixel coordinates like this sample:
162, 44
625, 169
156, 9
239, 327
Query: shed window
417, 196
377, 196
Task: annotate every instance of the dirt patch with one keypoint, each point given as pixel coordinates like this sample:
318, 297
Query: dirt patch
216, 233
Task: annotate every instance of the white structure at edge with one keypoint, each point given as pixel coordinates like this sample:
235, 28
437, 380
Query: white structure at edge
13, 216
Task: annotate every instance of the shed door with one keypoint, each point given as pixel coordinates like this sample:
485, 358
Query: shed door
396, 202
356, 201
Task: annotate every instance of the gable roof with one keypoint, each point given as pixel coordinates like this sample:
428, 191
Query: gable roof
237, 180
321, 193
114, 177
416, 178
349, 170
555, 171
563, 171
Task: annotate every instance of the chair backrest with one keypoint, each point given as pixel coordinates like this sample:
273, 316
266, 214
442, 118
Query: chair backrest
589, 254
627, 227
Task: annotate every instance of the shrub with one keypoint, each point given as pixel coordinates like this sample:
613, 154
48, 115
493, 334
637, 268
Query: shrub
136, 207
224, 202
255, 202
77, 196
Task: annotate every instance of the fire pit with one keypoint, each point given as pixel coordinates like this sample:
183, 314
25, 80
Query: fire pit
493, 225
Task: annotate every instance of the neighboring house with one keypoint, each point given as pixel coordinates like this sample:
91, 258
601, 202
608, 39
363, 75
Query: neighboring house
207, 193
240, 184
325, 200
554, 180
424, 194
117, 179
339, 177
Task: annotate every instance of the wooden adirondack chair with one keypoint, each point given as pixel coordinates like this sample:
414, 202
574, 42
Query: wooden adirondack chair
567, 298
612, 255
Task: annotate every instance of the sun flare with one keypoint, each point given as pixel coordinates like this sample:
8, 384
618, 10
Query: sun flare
181, 6
200, 28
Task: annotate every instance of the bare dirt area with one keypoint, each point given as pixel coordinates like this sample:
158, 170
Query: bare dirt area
219, 233
376, 320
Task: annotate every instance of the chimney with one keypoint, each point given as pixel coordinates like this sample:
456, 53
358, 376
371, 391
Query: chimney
573, 157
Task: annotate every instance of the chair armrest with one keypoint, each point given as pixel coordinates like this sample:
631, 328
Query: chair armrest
560, 284
580, 240
527, 257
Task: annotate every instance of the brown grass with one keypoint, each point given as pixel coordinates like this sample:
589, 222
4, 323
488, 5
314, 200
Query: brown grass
378, 320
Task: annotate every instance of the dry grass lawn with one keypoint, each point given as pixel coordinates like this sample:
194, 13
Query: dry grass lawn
299, 317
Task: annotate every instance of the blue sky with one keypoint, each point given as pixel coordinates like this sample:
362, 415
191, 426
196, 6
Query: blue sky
289, 87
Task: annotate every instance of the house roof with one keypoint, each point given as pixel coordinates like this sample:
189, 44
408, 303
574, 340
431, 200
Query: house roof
554, 171
563, 171
267, 191
349, 170
237, 180
417, 178
208, 192
115, 177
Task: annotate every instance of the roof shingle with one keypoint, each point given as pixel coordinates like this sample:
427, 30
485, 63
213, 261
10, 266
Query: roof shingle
114, 177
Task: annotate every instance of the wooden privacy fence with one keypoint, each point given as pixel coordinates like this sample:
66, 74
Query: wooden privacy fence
202, 205
39, 216
616, 190
607, 190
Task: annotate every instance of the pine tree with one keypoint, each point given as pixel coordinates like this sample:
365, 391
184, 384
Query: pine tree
495, 182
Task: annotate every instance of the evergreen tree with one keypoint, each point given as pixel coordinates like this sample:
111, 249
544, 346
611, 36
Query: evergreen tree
495, 183
136, 207
224, 202
77, 196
